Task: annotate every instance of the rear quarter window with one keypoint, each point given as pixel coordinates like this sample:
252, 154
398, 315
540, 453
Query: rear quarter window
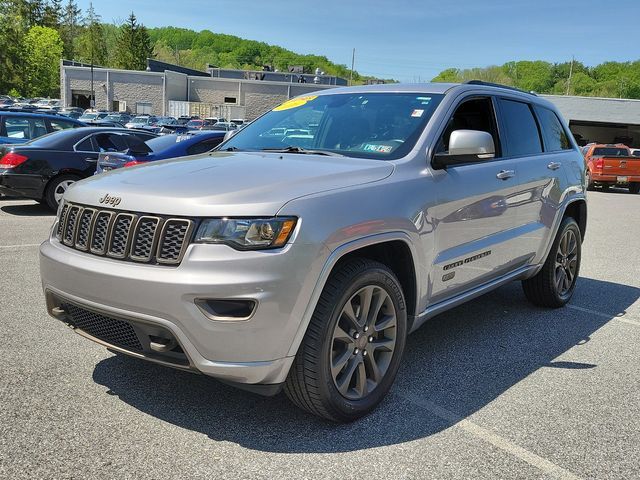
521, 130
554, 134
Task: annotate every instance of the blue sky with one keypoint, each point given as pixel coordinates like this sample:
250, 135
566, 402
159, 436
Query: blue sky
410, 40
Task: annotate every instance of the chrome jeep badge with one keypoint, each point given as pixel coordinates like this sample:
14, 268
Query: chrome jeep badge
109, 200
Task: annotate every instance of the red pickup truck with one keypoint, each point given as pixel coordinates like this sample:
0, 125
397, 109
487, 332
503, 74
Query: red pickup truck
609, 165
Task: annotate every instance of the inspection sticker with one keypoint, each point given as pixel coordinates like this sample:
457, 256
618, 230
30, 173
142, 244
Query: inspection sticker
417, 113
377, 148
295, 103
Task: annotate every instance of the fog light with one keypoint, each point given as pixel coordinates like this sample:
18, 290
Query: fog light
226, 310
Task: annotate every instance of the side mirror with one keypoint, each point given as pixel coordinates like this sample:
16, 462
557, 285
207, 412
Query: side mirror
465, 146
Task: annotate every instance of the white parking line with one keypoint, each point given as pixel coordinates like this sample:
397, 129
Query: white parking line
604, 315
21, 246
549, 468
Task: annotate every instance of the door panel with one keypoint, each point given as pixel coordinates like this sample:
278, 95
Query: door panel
475, 226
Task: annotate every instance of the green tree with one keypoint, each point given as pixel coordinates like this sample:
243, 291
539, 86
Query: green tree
450, 75
133, 45
52, 14
70, 28
13, 27
42, 48
91, 44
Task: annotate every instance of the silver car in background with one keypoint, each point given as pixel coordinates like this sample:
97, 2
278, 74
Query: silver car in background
302, 253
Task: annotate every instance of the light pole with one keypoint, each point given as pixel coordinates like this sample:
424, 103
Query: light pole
92, 103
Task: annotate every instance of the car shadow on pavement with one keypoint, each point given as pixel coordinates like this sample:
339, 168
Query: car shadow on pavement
30, 210
459, 361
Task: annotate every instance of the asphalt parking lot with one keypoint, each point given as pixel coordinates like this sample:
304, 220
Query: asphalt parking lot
493, 389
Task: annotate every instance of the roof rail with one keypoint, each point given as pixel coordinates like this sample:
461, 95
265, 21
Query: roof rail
497, 85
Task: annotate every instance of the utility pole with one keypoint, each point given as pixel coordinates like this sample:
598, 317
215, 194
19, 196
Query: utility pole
570, 73
353, 61
92, 103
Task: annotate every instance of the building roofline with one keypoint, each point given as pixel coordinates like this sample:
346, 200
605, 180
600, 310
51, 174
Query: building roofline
609, 99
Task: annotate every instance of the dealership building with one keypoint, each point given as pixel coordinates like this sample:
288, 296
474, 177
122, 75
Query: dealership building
166, 89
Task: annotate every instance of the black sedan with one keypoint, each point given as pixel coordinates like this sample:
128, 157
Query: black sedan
44, 168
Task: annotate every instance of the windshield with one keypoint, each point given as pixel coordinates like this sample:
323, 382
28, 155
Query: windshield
89, 116
140, 120
365, 125
195, 123
610, 152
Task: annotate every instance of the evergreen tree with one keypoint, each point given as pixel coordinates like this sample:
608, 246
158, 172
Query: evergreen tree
70, 28
133, 45
52, 14
91, 44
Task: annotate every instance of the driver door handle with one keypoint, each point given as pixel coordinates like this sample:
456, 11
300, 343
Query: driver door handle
506, 174
554, 165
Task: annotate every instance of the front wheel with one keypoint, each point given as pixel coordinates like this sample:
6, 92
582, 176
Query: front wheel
554, 285
351, 352
634, 188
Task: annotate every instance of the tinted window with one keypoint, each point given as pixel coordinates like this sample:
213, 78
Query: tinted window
85, 146
60, 125
555, 137
610, 152
205, 146
522, 136
474, 114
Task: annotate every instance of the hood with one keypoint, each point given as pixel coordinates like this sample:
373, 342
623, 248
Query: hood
226, 183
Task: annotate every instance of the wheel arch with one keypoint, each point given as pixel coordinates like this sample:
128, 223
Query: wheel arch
393, 249
577, 209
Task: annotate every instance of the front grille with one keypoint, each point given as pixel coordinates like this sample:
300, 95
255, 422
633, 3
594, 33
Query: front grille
110, 330
70, 225
84, 228
125, 236
173, 235
120, 233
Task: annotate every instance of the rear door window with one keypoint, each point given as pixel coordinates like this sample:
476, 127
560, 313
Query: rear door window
24, 128
57, 125
522, 136
555, 137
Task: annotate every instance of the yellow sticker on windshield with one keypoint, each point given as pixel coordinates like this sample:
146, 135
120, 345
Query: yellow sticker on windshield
295, 103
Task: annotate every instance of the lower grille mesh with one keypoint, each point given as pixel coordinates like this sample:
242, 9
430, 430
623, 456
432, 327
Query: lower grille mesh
110, 330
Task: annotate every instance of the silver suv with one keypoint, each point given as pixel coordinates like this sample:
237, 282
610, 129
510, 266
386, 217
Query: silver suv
303, 260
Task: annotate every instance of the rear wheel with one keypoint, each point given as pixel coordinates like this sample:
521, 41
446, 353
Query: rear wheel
554, 285
634, 188
351, 352
56, 188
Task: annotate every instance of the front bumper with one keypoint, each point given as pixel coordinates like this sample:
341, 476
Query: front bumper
254, 351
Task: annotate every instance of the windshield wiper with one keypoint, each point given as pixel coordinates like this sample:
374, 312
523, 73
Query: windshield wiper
304, 151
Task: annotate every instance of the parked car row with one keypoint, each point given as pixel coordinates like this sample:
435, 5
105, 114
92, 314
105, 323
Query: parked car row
44, 168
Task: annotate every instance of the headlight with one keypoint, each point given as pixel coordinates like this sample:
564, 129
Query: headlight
246, 233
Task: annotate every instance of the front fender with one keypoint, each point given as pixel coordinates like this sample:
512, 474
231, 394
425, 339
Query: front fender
331, 261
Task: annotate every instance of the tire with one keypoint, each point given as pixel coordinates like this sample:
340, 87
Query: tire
634, 188
336, 393
590, 186
606, 187
56, 188
546, 288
